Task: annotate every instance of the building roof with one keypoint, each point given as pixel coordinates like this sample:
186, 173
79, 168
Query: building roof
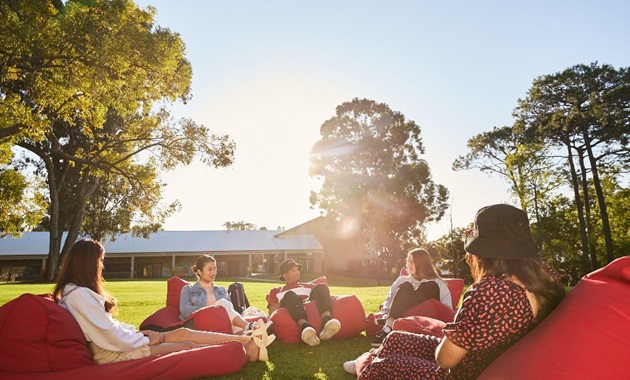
171, 242
304, 228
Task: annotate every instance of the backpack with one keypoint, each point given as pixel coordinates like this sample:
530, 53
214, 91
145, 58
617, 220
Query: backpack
238, 297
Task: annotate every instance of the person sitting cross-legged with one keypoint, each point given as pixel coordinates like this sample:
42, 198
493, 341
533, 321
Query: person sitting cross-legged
292, 296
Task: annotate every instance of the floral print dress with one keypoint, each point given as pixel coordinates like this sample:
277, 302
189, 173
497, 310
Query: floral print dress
494, 314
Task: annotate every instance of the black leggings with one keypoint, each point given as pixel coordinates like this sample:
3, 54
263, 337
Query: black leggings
406, 297
320, 294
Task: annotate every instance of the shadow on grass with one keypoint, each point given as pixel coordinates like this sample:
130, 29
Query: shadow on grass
299, 361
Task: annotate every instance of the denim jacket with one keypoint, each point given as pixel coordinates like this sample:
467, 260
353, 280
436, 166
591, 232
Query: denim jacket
194, 297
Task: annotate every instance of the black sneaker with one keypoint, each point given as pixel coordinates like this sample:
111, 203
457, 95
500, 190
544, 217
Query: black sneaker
380, 336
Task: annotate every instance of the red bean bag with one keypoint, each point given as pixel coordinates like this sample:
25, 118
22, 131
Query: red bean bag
420, 325
586, 337
430, 308
41, 340
211, 318
347, 309
456, 286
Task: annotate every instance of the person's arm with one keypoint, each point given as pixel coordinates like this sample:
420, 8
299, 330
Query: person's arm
185, 306
273, 303
390, 296
98, 326
448, 354
273, 307
445, 293
221, 292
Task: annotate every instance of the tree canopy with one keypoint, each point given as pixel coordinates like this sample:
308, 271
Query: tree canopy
585, 110
374, 177
84, 89
570, 136
242, 226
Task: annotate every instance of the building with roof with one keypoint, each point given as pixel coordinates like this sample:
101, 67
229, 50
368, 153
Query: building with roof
319, 245
238, 253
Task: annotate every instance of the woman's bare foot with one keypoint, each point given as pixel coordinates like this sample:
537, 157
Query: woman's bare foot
252, 350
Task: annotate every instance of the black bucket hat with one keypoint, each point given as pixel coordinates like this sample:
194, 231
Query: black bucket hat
286, 266
501, 232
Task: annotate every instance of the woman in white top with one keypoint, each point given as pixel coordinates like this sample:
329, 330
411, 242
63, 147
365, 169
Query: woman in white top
79, 289
422, 283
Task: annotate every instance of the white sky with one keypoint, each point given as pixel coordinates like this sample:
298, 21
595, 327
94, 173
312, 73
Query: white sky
269, 73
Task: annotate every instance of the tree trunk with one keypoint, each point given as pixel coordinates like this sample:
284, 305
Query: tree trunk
53, 262
587, 210
88, 186
578, 204
600, 201
54, 243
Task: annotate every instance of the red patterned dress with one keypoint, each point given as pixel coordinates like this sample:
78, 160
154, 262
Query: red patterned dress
494, 315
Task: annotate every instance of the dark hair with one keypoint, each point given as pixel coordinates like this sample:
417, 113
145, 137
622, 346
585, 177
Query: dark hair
533, 273
201, 262
422, 262
82, 266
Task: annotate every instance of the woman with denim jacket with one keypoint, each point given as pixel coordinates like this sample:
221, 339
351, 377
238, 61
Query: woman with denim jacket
204, 293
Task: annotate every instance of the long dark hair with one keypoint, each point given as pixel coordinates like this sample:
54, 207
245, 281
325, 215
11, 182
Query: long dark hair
82, 266
535, 275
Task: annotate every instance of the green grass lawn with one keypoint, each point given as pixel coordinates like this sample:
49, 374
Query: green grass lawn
139, 298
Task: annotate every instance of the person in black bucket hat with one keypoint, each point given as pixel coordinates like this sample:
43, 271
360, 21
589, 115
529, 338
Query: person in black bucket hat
294, 293
501, 232
512, 292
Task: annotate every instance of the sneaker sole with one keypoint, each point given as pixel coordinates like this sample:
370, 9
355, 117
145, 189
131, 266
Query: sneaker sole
331, 328
310, 337
351, 369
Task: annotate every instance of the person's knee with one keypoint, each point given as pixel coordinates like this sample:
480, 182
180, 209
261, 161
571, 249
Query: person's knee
290, 298
406, 287
320, 290
223, 302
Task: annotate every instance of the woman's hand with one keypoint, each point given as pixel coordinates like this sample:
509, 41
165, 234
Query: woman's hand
154, 337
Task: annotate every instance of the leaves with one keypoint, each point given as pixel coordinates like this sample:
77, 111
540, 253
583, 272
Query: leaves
370, 160
85, 88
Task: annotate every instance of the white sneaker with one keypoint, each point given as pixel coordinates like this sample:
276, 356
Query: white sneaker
350, 367
331, 328
309, 336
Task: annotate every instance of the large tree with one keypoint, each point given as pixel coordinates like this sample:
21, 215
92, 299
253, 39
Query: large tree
526, 165
584, 110
85, 87
22, 204
374, 178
